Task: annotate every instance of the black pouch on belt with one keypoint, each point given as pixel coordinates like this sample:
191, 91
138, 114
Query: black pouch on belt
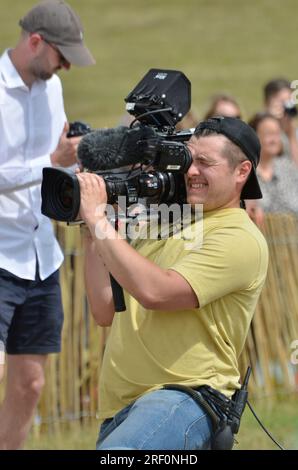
225, 413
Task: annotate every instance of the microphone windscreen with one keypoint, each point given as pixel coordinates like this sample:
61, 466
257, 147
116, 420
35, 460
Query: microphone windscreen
106, 149
97, 150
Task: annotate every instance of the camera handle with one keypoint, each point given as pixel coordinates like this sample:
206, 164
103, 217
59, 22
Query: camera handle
118, 295
117, 290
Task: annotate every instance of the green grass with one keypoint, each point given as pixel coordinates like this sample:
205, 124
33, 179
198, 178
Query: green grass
75, 438
221, 45
281, 419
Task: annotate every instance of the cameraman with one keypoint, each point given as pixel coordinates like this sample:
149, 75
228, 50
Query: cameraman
188, 310
33, 134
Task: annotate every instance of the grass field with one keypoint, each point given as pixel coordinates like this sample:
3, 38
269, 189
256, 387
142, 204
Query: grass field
221, 45
281, 419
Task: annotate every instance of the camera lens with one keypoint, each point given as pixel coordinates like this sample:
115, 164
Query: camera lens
60, 191
65, 194
156, 186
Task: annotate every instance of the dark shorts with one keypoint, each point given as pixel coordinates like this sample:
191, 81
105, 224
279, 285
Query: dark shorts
31, 314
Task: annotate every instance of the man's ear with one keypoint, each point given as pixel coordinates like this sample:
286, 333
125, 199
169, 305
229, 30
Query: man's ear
35, 41
243, 171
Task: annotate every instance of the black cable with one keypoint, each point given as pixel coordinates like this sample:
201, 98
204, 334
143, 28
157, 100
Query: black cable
148, 113
130, 175
263, 427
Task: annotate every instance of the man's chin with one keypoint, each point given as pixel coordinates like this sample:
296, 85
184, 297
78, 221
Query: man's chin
195, 200
45, 76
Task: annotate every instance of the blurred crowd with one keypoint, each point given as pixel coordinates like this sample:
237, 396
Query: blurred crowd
276, 127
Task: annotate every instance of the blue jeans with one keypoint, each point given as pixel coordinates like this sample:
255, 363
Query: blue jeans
159, 420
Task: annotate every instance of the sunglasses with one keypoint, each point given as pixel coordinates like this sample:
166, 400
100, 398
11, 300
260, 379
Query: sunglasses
61, 56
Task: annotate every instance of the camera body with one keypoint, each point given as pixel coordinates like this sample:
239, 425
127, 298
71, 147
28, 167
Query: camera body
78, 128
160, 100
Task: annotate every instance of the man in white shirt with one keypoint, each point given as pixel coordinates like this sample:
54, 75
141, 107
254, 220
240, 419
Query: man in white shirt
33, 135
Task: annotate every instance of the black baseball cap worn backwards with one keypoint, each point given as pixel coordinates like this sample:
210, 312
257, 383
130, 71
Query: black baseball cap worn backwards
58, 24
244, 137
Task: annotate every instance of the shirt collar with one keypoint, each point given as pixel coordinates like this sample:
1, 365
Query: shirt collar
9, 73
11, 77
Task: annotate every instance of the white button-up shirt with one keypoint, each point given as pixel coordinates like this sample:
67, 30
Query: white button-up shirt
31, 123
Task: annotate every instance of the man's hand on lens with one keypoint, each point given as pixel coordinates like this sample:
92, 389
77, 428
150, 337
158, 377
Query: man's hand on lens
66, 152
93, 197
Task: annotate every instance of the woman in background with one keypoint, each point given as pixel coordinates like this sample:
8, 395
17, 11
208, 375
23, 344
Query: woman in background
278, 176
223, 105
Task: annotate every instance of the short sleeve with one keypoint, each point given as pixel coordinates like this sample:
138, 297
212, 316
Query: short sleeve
228, 261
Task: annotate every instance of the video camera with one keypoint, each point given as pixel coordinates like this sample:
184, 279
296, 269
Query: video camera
151, 149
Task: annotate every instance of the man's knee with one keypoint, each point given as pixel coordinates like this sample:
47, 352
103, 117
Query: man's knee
25, 383
30, 388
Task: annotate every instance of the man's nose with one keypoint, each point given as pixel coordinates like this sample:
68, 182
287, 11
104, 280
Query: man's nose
194, 169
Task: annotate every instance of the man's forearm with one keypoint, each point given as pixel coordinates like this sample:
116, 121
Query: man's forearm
152, 286
128, 267
97, 282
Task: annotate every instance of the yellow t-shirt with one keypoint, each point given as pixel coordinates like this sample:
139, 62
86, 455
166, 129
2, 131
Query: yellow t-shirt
147, 348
